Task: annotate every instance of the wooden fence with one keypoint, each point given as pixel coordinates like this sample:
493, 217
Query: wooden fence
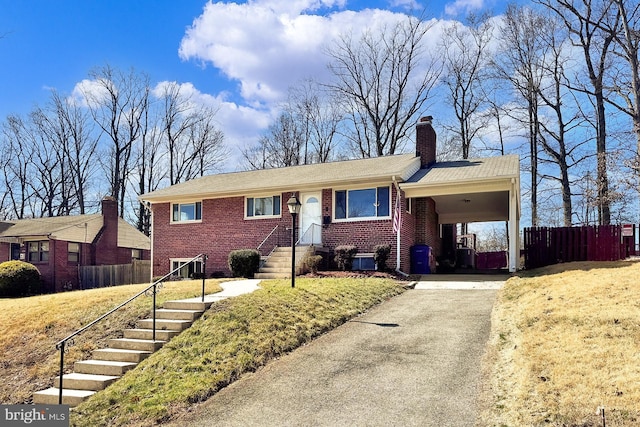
546, 246
100, 276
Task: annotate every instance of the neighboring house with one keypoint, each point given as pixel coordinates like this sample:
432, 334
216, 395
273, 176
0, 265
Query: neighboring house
58, 246
343, 203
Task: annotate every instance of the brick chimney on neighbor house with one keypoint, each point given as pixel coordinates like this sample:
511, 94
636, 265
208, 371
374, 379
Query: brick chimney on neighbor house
425, 142
107, 242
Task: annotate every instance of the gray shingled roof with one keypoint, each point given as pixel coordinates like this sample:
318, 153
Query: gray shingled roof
468, 170
293, 178
73, 228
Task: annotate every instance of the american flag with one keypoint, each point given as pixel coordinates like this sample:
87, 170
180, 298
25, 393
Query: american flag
397, 218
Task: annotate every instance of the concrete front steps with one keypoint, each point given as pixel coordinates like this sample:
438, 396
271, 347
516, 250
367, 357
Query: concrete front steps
278, 265
122, 354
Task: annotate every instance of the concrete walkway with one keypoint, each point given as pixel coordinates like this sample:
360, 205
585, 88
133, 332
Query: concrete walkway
411, 361
230, 289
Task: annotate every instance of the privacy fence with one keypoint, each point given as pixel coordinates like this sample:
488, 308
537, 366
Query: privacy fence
100, 276
546, 246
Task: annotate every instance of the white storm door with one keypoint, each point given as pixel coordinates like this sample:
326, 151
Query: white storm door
311, 219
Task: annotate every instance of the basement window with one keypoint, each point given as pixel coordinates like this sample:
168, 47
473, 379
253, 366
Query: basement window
186, 269
363, 262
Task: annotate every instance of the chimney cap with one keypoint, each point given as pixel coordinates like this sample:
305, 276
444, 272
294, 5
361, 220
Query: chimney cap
426, 120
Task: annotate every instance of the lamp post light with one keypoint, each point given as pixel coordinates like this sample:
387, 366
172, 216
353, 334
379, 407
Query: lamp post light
294, 208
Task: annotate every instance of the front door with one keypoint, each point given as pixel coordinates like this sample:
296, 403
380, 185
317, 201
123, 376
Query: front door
311, 219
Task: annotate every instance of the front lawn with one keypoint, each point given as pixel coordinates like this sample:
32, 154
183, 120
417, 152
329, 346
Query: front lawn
235, 336
565, 341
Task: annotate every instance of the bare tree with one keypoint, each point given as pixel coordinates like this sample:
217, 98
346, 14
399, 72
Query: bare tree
592, 25
192, 141
69, 131
320, 116
519, 63
281, 146
465, 54
16, 164
384, 78
207, 145
625, 77
117, 102
563, 148
150, 170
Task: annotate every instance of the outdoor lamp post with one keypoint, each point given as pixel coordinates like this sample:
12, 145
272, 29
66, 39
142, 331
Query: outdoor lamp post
294, 208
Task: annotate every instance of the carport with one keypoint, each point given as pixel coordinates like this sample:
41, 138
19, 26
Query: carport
473, 190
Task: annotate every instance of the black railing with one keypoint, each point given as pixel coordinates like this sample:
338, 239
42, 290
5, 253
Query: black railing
152, 290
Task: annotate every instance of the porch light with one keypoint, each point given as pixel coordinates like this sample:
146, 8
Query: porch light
294, 205
294, 208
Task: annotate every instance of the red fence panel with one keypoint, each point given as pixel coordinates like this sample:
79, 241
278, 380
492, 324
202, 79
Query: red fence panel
546, 246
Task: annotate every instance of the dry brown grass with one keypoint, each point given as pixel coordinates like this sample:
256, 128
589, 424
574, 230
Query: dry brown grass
565, 340
30, 328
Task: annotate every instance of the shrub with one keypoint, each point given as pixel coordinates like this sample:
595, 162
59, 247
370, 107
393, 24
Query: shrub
244, 262
311, 263
344, 255
19, 278
381, 255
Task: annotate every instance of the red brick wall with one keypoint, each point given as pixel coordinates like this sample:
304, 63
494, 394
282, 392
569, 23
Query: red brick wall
427, 231
363, 234
5, 251
223, 229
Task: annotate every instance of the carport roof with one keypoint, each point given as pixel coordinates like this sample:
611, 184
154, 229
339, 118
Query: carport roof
469, 190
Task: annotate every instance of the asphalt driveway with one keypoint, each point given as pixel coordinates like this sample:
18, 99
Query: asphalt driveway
411, 361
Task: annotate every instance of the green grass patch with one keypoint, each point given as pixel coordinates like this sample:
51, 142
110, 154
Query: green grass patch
235, 336
32, 326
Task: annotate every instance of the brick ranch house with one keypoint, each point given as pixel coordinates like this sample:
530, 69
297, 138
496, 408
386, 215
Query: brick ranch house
343, 203
58, 246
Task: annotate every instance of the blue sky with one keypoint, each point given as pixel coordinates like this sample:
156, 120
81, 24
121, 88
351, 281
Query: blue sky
240, 56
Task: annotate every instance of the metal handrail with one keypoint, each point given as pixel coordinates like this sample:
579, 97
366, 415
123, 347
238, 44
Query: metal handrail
267, 238
157, 285
311, 228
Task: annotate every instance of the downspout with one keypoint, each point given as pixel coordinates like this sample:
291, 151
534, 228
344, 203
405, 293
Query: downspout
395, 183
147, 207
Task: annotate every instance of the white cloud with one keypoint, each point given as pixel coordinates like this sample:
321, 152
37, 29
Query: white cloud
88, 92
463, 7
269, 45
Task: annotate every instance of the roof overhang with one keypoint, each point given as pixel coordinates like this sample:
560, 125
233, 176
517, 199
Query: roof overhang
477, 200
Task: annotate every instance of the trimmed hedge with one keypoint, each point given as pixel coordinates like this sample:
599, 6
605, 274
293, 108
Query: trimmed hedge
19, 278
244, 262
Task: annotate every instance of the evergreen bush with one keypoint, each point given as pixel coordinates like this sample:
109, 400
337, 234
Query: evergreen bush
19, 278
244, 262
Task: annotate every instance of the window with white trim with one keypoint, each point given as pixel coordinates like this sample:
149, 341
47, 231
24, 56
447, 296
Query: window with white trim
186, 269
185, 212
257, 207
362, 203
